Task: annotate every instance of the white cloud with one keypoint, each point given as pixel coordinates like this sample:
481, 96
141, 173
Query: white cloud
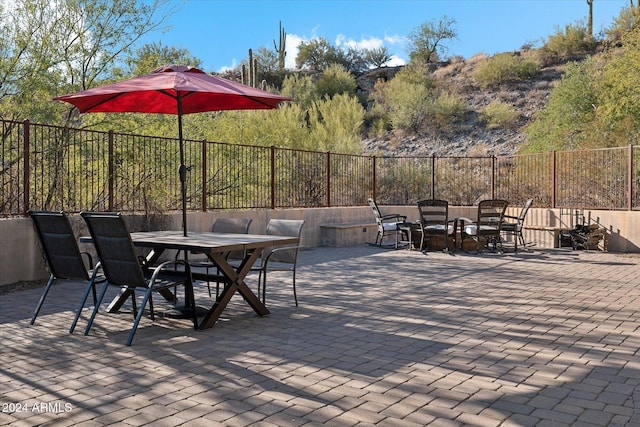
395, 61
394, 39
370, 43
292, 43
233, 66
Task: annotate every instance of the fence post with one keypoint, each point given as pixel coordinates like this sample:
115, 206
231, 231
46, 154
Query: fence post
26, 170
204, 176
273, 177
373, 166
630, 178
493, 177
328, 179
433, 176
553, 179
110, 173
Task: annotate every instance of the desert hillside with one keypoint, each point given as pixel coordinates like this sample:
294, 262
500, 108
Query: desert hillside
470, 136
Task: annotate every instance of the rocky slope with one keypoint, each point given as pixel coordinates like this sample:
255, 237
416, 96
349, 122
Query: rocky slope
470, 137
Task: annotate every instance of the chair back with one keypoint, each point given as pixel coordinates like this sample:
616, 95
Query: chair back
118, 257
491, 214
284, 227
523, 212
376, 212
59, 245
434, 213
232, 225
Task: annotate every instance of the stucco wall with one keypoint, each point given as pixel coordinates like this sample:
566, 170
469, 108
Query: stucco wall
20, 258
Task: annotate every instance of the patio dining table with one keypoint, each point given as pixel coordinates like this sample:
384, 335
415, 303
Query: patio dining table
214, 246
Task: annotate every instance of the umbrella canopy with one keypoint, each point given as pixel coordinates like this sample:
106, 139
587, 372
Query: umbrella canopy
173, 89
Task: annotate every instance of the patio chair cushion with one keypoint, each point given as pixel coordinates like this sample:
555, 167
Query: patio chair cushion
440, 227
390, 226
472, 230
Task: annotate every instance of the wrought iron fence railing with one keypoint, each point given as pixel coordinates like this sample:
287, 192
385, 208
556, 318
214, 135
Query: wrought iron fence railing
56, 168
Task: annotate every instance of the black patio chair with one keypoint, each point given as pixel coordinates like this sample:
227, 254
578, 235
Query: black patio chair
281, 258
514, 228
434, 222
60, 248
224, 225
122, 267
487, 228
388, 225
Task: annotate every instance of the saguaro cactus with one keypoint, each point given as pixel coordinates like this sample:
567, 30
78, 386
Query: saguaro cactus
280, 47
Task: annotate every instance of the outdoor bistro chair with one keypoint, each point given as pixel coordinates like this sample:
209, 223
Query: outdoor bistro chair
122, 267
388, 225
515, 228
224, 225
434, 221
282, 258
64, 258
488, 225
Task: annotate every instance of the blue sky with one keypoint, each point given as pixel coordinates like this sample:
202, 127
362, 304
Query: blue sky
220, 32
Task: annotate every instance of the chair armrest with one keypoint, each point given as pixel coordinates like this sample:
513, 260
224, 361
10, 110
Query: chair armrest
396, 217
266, 259
510, 217
165, 266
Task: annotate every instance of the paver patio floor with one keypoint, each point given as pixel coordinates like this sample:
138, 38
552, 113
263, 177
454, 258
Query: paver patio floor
381, 337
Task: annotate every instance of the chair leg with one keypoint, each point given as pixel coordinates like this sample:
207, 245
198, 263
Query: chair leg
264, 287
188, 291
90, 286
44, 295
95, 309
134, 328
295, 295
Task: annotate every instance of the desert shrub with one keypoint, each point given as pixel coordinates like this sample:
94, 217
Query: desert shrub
560, 124
504, 68
335, 80
499, 114
448, 109
626, 21
574, 40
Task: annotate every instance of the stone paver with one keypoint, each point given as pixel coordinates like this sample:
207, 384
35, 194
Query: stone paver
381, 337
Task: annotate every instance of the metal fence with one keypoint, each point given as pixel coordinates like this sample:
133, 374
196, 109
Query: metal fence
56, 168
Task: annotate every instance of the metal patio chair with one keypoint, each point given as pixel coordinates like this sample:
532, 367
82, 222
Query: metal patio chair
514, 228
388, 225
122, 268
60, 248
282, 258
224, 225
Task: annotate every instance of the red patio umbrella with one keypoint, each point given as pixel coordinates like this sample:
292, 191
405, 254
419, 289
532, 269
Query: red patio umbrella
173, 89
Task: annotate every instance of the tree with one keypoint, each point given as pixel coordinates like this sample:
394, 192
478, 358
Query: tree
317, 54
154, 55
426, 41
378, 57
51, 47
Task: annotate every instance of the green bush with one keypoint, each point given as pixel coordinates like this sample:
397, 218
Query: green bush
574, 40
336, 80
448, 109
499, 114
505, 68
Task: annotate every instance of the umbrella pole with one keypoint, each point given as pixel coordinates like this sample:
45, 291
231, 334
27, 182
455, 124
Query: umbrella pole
182, 171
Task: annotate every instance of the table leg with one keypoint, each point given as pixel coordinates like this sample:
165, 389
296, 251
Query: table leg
236, 283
